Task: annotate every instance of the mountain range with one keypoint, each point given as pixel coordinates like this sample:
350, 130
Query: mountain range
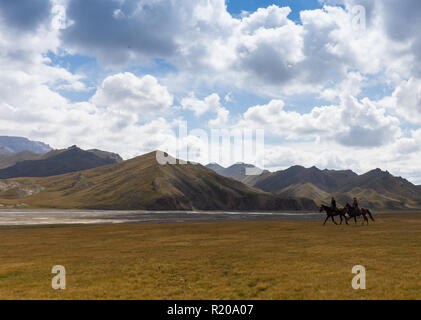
237, 171
376, 189
55, 162
76, 178
142, 184
9, 145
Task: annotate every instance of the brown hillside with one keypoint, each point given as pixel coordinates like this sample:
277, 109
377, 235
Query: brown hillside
142, 184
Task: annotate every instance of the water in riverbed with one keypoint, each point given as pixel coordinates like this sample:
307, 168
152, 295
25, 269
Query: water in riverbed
60, 217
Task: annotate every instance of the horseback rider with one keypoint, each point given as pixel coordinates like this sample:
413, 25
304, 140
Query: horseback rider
333, 204
355, 206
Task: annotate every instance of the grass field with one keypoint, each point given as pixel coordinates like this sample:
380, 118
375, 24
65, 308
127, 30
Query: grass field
251, 260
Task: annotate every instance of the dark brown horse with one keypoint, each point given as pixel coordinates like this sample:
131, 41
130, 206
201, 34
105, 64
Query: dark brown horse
333, 213
361, 212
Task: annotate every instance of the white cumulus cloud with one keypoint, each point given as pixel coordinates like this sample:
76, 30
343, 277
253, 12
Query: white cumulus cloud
125, 92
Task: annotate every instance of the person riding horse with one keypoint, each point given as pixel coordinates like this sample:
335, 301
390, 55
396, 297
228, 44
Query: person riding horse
356, 207
333, 211
354, 211
333, 204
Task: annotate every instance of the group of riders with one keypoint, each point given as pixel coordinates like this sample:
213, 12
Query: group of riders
353, 211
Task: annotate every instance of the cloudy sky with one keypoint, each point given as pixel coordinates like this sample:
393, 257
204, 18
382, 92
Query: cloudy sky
121, 75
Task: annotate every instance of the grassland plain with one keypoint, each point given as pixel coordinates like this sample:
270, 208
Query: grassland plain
250, 260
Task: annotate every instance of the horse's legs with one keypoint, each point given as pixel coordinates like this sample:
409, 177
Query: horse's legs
333, 219
341, 219
365, 219
371, 216
346, 220
326, 220
355, 218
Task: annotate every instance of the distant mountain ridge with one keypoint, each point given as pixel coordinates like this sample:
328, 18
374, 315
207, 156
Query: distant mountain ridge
327, 180
215, 167
142, 184
376, 189
238, 171
55, 162
5, 151
18, 144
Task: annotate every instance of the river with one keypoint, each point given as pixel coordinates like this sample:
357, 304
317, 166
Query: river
77, 217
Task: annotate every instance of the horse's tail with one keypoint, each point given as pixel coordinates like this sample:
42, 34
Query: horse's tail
371, 216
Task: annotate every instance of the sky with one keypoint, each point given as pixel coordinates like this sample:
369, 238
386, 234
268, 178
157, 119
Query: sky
333, 83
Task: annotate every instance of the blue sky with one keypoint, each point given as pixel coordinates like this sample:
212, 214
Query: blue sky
96, 73
159, 67
334, 86
236, 7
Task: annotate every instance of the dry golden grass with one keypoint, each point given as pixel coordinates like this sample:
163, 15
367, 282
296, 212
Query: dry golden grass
250, 260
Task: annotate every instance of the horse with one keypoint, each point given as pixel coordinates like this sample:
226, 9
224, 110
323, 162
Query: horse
333, 213
361, 212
